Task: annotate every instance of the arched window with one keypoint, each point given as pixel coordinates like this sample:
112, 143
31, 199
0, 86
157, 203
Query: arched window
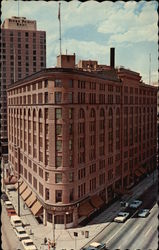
102, 112
40, 114
34, 114
92, 113
29, 113
81, 113
110, 112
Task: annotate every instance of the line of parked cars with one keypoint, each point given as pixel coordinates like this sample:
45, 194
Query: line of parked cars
122, 216
17, 224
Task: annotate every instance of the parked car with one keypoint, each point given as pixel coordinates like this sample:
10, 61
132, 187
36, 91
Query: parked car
135, 204
143, 213
11, 212
8, 205
28, 244
121, 217
96, 246
4, 197
21, 233
16, 221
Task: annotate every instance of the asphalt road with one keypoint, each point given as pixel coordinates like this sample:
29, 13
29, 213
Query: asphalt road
135, 233
9, 238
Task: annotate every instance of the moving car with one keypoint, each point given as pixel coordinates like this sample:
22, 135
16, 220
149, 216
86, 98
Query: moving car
135, 204
96, 246
16, 221
121, 217
28, 244
143, 213
21, 233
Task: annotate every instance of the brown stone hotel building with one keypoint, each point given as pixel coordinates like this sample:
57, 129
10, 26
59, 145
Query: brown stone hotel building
86, 133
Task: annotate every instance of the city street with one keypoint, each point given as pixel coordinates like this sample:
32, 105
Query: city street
135, 233
9, 238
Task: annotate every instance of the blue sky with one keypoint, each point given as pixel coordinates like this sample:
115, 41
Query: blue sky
89, 29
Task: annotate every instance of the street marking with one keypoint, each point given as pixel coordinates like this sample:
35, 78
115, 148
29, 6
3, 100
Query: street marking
121, 227
135, 228
148, 231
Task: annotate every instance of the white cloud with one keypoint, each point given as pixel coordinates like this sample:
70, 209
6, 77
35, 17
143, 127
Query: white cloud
127, 26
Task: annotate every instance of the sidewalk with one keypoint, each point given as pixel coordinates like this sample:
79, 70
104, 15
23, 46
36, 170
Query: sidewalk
65, 239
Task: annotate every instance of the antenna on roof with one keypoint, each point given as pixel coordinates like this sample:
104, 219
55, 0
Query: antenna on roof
59, 17
150, 68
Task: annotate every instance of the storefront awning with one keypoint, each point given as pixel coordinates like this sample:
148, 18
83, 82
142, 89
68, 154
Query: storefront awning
96, 201
36, 208
85, 209
142, 170
138, 173
30, 201
26, 194
22, 188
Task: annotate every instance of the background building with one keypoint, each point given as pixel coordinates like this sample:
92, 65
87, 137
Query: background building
23, 52
84, 137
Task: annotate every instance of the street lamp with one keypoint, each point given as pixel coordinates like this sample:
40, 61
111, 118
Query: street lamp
53, 227
67, 213
18, 159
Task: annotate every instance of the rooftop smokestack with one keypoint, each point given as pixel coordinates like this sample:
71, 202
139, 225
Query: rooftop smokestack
112, 57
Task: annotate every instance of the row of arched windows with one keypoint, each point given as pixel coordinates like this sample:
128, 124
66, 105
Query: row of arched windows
40, 113
92, 113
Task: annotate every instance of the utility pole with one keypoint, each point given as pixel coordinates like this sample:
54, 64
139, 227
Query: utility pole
18, 158
53, 230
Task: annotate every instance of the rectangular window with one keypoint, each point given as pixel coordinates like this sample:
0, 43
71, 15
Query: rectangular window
58, 97
46, 97
34, 167
58, 83
70, 113
71, 177
58, 195
58, 113
58, 129
58, 178
34, 182
47, 194
40, 98
58, 161
70, 83
70, 97
40, 189
41, 172
59, 145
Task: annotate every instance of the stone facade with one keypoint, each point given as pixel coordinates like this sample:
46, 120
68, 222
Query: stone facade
80, 134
